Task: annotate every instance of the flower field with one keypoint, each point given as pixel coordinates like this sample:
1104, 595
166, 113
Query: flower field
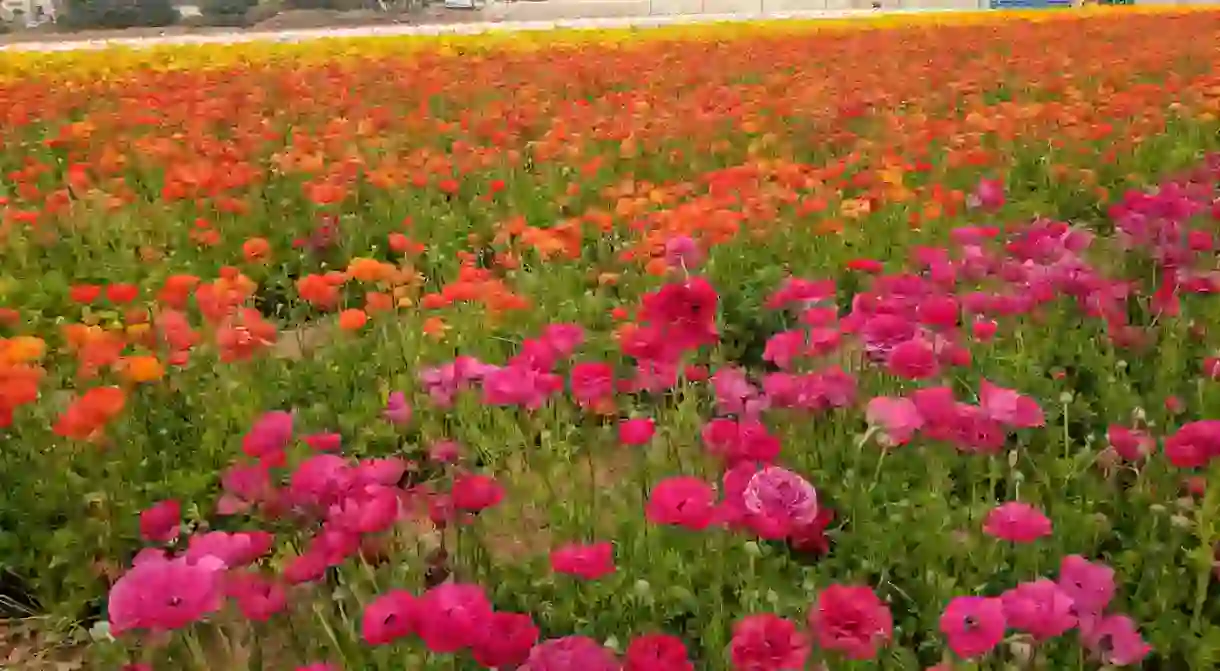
871, 344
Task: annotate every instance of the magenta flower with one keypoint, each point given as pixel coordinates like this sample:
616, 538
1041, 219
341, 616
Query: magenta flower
397, 411
592, 383
321, 480
683, 501
472, 492
1130, 444
453, 616
988, 195
370, 510
444, 382
389, 617
973, 625
684, 312
1116, 641
588, 562
165, 594
784, 347
384, 471
1017, 522
1040, 608
638, 431
738, 441
983, 330
257, 598
563, 339
234, 549
767, 642
162, 522
445, 451
914, 360
1194, 444
1089, 585
570, 653
506, 642
269, 436
519, 385
657, 652
801, 292
898, 418
243, 487
1009, 407
882, 333
780, 498
853, 621
735, 394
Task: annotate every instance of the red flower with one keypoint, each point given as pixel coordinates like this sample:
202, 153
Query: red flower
913, 360
685, 312
161, 523
323, 442
84, 293
812, 537
506, 641
1017, 522
683, 501
473, 493
122, 293
657, 652
588, 562
1194, 444
851, 620
767, 642
389, 617
865, 265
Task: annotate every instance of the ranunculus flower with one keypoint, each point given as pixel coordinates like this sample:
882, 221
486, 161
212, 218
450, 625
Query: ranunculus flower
162, 522
1009, 407
1194, 444
1116, 641
397, 410
453, 616
472, 492
683, 501
164, 594
1040, 608
389, 617
898, 418
570, 653
1090, 585
1017, 522
638, 431
853, 621
657, 652
257, 598
973, 625
1130, 444
767, 642
323, 442
781, 498
588, 562
913, 359
506, 642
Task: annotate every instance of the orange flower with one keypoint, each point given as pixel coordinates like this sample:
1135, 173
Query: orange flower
353, 319
89, 413
256, 249
376, 301
435, 328
140, 369
22, 349
368, 270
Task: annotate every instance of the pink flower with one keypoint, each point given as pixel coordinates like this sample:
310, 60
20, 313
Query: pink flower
852, 621
657, 652
974, 625
588, 562
166, 594
323, 442
1089, 585
243, 486
1040, 608
257, 598
767, 642
1116, 641
473, 493
782, 498
740, 441
234, 549
983, 330
563, 339
389, 617
882, 333
638, 431
506, 642
453, 616
785, 346
387, 471
320, 480
519, 385
735, 394
1008, 407
796, 290
1017, 522
371, 510
307, 567
1194, 444
397, 410
445, 451
941, 312
988, 195
914, 360
683, 501
898, 418
269, 436
682, 251
569, 654
161, 523
592, 383
1130, 444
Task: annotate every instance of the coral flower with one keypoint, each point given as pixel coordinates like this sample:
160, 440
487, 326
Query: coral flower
353, 319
